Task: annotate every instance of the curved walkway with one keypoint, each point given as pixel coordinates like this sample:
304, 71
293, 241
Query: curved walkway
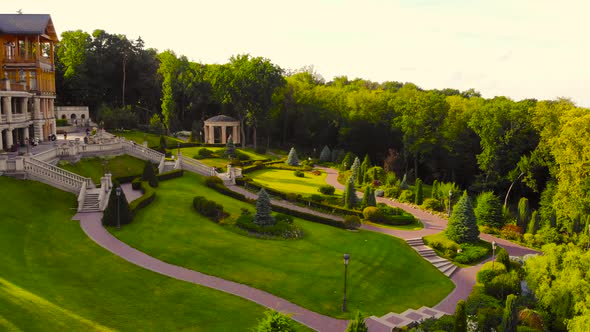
92, 226
464, 278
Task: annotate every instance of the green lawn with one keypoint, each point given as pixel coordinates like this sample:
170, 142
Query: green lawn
192, 151
286, 181
385, 274
152, 139
54, 278
416, 226
93, 167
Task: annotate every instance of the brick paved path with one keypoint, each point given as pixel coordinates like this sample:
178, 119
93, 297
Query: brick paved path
464, 278
91, 224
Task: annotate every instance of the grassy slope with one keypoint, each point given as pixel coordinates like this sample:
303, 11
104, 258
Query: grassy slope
118, 166
152, 139
54, 278
384, 273
286, 181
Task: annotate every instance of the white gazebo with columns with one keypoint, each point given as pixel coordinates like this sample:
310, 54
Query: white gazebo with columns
228, 127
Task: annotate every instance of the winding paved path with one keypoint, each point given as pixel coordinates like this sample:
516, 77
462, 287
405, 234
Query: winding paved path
91, 224
464, 278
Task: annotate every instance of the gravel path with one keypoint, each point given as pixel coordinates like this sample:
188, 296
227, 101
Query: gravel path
91, 224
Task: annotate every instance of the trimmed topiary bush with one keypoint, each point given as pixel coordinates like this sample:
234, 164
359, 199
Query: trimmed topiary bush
136, 183
462, 225
327, 189
203, 153
213, 181
373, 214
299, 174
149, 174
118, 207
432, 204
352, 222
488, 211
292, 159
209, 209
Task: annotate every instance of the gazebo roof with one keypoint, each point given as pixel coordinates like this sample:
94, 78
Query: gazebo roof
221, 118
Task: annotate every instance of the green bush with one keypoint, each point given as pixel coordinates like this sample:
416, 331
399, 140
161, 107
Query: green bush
117, 211
489, 210
432, 204
209, 209
136, 184
503, 285
149, 174
61, 122
274, 322
291, 197
471, 252
352, 222
170, 175
406, 196
316, 198
203, 153
384, 214
299, 174
149, 194
392, 192
327, 189
213, 181
281, 228
280, 217
486, 273
478, 299
373, 214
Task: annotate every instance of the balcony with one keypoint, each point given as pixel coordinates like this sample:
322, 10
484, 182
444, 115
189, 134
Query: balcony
20, 60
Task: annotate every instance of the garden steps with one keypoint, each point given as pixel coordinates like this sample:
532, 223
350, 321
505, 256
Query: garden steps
393, 320
443, 265
91, 202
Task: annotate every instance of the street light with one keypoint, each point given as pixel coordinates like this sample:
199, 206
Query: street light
493, 253
118, 192
450, 198
346, 258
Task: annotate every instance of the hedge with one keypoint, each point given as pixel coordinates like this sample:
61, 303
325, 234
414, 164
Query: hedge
149, 194
126, 179
170, 175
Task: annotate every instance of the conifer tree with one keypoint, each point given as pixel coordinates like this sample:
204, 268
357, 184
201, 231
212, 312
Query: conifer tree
357, 324
354, 170
434, 192
523, 212
462, 225
460, 317
117, 206
350, 198
292, 159
163, 142
488, 211
326, 154
510, 317
346, 162
419, 195
263, 216
533, 226
369, 197
230, 148
149, 174
363, 170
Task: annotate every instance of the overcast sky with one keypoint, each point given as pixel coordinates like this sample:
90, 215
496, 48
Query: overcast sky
517, 48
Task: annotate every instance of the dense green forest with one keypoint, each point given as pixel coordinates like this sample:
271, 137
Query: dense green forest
537, 151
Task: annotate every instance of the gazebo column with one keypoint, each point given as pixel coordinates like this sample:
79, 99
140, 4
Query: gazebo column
211, 134
235, 136
223, 137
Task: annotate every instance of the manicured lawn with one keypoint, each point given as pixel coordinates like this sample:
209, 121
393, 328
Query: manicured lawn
416, 226
54, 278
152, 139
286, 181
385, 274
93, 167
192, 151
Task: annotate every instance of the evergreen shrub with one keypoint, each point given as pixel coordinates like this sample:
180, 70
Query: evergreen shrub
299, 174
209, 209
406, 196
352, 222
327, 189
432, 204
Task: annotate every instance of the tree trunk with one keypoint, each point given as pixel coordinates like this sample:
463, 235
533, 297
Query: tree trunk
124, 78
415, 166
243, 133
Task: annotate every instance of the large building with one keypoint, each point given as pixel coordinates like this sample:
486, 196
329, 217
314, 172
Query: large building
27, 78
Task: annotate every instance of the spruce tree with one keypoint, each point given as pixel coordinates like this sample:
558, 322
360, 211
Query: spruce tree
369, 197
404, 184
357, 324
109, 217
462, 225
263, 216
460, 317
419, 195
510, 317
350, 198
149, 174
363, 170
326, 154
354, 170
488, 211
230, 148
292, 159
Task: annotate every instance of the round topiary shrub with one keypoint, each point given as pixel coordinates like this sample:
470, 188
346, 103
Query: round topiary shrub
432, 204
299, 174
486, 273
373, 214
327, 189
352, 222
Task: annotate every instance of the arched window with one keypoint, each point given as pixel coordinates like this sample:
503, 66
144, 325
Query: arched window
73, 116
63, 116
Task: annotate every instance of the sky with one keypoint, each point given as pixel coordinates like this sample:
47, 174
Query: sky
516, 48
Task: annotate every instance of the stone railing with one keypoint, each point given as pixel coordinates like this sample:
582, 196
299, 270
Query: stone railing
47, 156
195, 166
142, 152
55, 176
81, 196
162, 165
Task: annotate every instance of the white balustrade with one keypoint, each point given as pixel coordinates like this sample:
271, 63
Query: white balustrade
53, 174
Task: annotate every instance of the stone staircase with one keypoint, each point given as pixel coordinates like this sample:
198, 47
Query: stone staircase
393, 320
444, 266
91, 201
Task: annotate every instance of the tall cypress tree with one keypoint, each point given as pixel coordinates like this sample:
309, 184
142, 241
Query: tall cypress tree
369, 197
510, 317
523, 213
350, 198
419, 195
462, 225
263, 216
363, 170
346, 162
292, 159
117, 206
460, 317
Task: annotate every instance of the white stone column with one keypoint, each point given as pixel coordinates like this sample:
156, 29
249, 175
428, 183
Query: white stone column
212, 134
24, 106
223, 137
1, 140
6, 105
9, 137
205, 133
235, 135
37, 108
26, 134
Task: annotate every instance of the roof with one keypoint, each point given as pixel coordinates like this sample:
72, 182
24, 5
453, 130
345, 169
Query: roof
221, 118
28, 24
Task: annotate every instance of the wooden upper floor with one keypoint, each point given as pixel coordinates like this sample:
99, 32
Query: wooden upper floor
27, 44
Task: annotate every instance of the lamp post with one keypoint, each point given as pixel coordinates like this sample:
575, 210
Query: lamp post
178, 148
450, 199
493, 253
346, 258
118, 191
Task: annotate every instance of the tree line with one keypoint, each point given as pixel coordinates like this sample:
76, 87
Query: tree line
537, 149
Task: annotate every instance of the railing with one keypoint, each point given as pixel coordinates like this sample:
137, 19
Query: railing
142, 152
47, 156
162, 165
81, 196
11, 165
195, 166
55, 175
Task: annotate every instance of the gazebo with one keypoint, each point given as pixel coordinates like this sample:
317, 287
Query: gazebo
216, 129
